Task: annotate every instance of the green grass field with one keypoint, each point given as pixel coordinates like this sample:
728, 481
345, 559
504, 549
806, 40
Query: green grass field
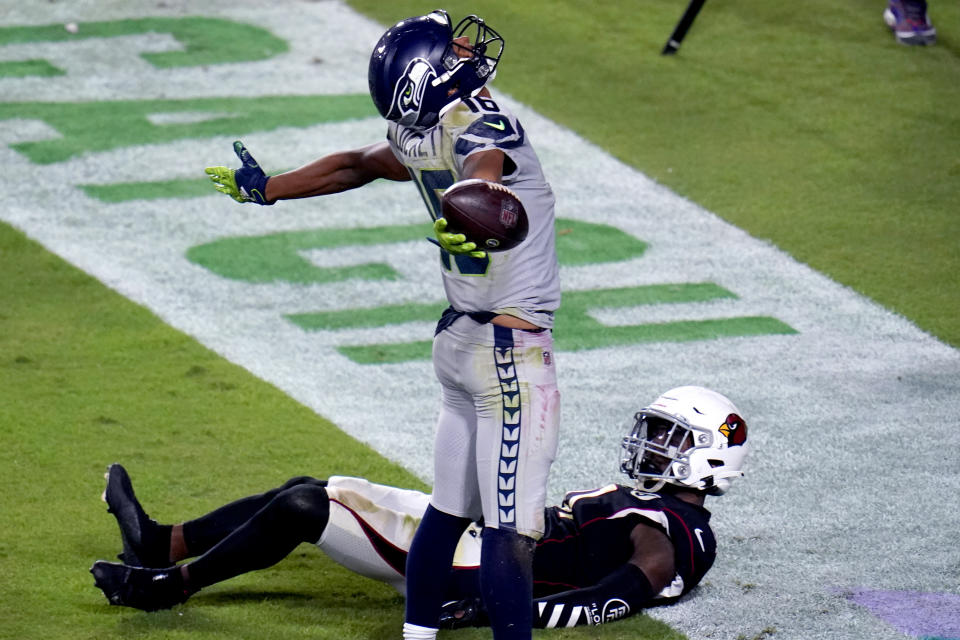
808, 127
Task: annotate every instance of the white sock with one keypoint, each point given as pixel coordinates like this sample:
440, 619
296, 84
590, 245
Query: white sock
416, 632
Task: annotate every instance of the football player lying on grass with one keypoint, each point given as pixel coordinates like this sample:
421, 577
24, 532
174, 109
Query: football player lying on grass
607, 553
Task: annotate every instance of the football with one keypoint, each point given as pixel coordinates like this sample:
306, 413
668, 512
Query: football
487, 213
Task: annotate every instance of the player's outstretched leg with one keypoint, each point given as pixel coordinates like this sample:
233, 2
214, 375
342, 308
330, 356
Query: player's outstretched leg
295, 515
145, 542
138, 587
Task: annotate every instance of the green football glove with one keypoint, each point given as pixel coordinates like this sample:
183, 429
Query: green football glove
455, 243
246, 184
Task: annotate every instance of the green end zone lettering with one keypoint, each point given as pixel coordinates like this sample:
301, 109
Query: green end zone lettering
205, 41
278, 258
102, 126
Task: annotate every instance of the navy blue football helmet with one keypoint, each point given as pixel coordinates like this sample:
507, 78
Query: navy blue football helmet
416, 72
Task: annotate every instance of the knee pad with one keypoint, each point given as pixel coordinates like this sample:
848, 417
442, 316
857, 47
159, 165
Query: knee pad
304, 508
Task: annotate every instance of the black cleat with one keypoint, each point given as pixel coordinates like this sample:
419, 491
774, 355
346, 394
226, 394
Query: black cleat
146, 589
136, 528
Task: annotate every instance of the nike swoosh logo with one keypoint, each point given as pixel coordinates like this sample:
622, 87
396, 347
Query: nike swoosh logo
499, 126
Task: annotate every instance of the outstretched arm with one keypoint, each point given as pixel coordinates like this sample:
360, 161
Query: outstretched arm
332, 173
337, 172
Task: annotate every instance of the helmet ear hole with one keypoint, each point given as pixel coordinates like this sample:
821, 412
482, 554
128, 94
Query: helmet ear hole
714, 463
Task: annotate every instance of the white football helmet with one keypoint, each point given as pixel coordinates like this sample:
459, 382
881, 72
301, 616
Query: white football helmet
690, 437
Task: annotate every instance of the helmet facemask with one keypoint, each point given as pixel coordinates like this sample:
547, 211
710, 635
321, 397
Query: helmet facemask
485, 50
658, 450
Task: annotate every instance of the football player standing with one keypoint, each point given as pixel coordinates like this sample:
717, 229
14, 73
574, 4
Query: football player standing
496, 434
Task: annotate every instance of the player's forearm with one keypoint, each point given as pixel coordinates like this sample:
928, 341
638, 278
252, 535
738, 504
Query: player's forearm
334, 173
622, 593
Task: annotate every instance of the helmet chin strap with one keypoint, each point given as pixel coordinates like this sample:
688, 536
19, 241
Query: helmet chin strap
447, 108
642, 484
439, 80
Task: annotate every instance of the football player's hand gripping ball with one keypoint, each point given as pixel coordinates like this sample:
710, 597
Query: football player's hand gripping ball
455, 243
246, 184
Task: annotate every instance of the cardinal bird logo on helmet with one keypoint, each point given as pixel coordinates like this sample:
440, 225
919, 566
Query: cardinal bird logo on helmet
735, 429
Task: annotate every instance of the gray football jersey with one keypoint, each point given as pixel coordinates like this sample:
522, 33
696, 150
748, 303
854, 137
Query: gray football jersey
523, 281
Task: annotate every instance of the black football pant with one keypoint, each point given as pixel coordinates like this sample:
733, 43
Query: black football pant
255, 532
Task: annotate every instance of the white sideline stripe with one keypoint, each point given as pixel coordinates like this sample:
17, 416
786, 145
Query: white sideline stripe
186, 117
856, 400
